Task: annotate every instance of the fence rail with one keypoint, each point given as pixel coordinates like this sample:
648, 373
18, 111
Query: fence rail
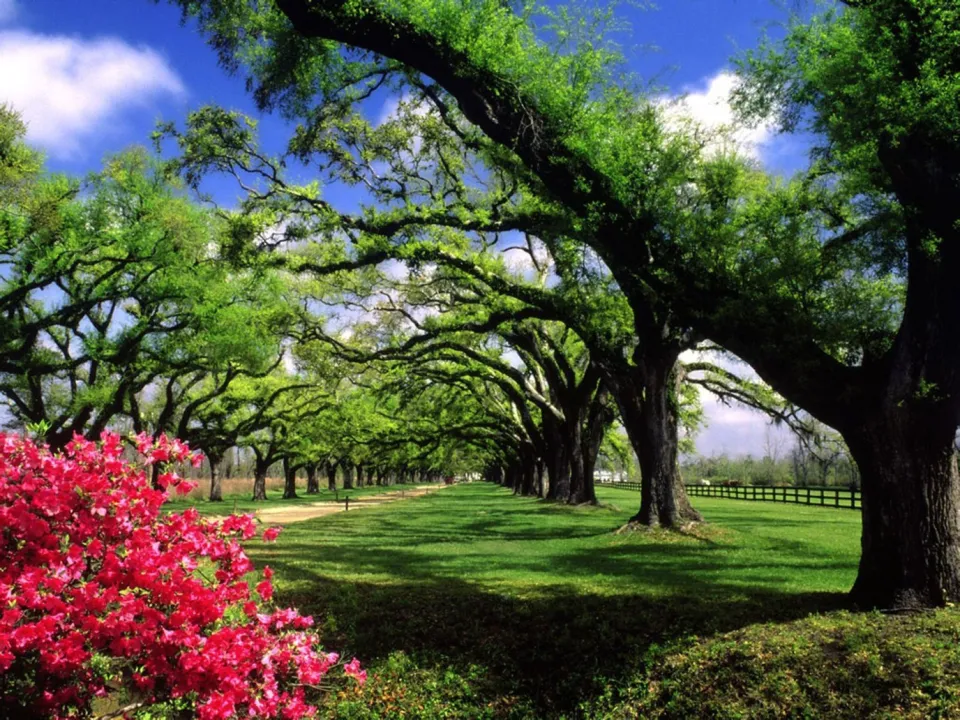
825, 497
819, 496
625, 485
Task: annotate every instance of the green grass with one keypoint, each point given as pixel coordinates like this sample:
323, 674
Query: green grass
473, 603
485, 537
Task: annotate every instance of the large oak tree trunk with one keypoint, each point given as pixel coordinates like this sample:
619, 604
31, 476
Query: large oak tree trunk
289, 480
510, 476
313, 485
331, 476
905, 448
599, 418
359, 483
911, 511
558, 465
216, 478
646, 396
665, 502
260, 480
347, 475
581, 487
528, 472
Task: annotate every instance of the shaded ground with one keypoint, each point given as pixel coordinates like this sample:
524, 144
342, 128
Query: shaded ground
473, 603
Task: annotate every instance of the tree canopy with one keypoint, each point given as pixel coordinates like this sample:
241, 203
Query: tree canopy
835, 286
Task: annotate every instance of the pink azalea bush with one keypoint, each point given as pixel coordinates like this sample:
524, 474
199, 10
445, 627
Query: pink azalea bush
101, 593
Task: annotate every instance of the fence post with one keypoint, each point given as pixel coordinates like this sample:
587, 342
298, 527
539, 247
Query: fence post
786, 494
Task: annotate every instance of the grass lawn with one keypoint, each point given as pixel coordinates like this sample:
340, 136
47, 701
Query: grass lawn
473, 603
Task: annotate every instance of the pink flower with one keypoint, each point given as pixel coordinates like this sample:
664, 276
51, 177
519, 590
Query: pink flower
265, 589
144, 443
159, 454
270, 534
90, 561
352, 669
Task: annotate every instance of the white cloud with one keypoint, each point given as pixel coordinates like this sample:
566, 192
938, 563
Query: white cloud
516, 256
8, 11
736, 430
396, 270
391, 108
519, 260
732, 428
70, 88
708, 105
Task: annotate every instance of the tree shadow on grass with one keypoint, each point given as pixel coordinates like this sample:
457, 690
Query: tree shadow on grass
531, 593
553, 650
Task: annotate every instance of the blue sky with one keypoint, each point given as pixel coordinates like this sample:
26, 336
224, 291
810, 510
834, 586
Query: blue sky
94, 76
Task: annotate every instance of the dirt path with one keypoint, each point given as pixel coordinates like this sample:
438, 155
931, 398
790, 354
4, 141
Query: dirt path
309, 511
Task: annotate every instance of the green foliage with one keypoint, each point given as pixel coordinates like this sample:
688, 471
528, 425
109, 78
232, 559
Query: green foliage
19, 163
616, 454
695, 239
842, 665
127, 290
402, 687
874, 77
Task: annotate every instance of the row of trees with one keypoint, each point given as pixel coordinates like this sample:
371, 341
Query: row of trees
132, 307
836, 286
123, 312
539, 360
120, 311
645, 239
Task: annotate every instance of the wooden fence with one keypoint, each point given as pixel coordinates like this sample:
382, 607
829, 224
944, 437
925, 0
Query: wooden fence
621, 485
825, 497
